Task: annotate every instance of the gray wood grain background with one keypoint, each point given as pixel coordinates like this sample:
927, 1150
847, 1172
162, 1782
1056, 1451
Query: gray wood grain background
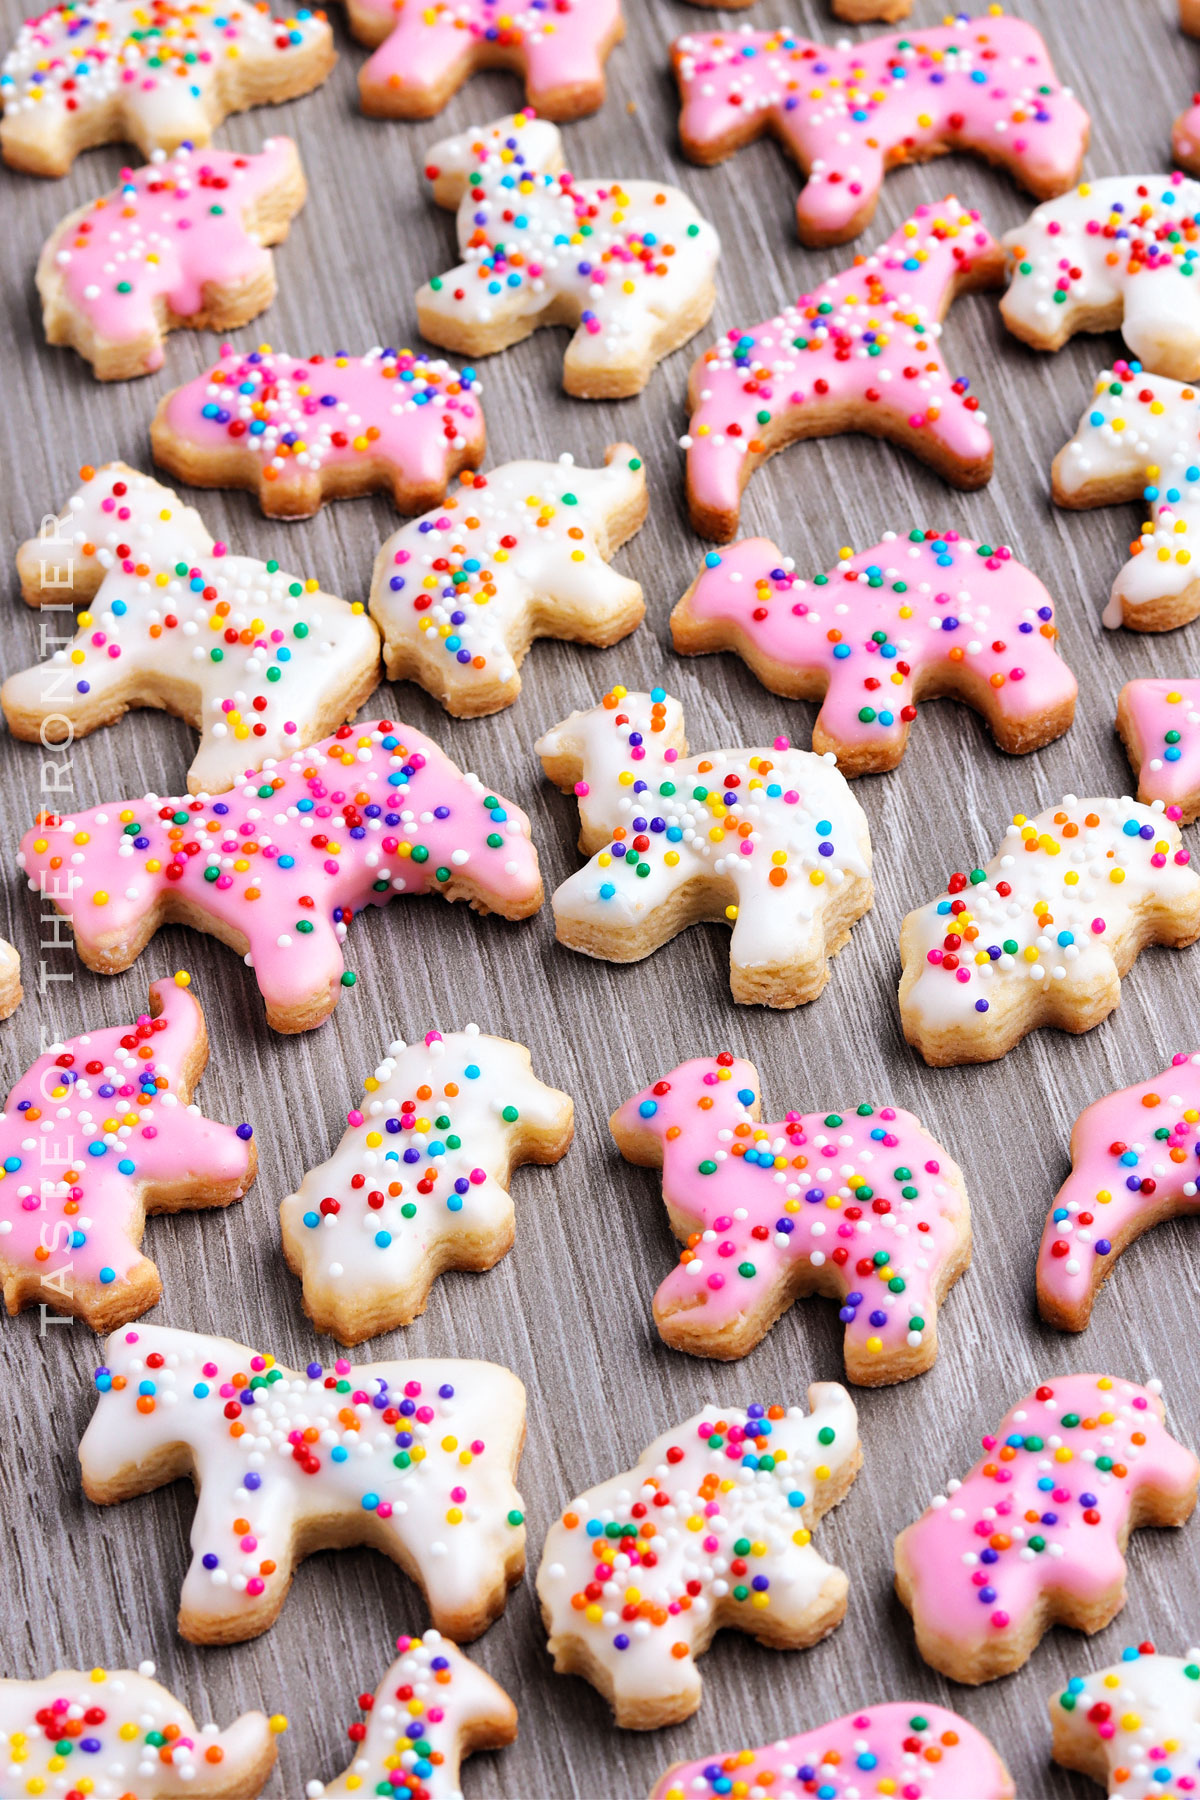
569, 1309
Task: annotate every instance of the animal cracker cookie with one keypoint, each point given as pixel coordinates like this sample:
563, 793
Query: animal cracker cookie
847, 113
1076, 260
1133, 1163
432, 1709
859, 353
1035, 1535
278, 868
416, 1459
628, 266
1185, 138
770, 1213
1134, 1728
1159, 723
1044, 933
11, 993
711, 1529
121, 1733
919, 617
771, 842
520, 553
259, 661
1140, 440
918, 1752
424, 54
182, 241
419, 1182
97, 1133
301, 430
91, 72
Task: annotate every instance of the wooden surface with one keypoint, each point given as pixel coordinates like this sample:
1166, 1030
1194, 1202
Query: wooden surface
569, 1309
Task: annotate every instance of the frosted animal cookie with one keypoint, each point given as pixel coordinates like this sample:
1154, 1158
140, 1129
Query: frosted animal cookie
900, 1747
416, 1459
182, 241
634, 286
918, 617
860, 353
1140, 440
766, 1219
847, 113
859, 12
1044, 933
1185, 139
120, 1732
424, 54
278, 867
1133, 1163
1134, 1728
300, 430
89, 72
97, 1133
432, 1709
11, 993
419, 1183
1035, 1535
711, 1529
1159, 723
520, 553
1076, 259
259, 661
770, 841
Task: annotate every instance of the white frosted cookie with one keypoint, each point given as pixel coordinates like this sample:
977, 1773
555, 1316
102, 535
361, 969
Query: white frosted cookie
1134, 1727
11, 993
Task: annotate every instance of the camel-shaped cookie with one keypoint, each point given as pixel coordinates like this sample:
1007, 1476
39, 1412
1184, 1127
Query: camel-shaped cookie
1134, 1727
861, 352
415, 1459
769, 841
917, 617
1035, 1534
259, 661
847, 113
711, 1529
1159, 723
771, 1213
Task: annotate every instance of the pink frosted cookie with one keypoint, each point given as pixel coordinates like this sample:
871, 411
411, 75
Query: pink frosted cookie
1134, 1728
11, 994
1133, 1163
297, 430
260, 661
858, 12
921, 617
182, 241
432, 1709
91, 72
1044, 932
847, 113
416, 1459
1140, 439
122, 1733
773, 1213
97, 1133
428, 48
1159, 723
772, 842
1117, 254
1035, 1535
629, 266
520, 553
419, 1183
278, 867
1185, 139
710, 1530
901, 1747
859, 353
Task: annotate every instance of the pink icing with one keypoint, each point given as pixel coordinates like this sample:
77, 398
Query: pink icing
1185, 138
62, 1205
284, 862
920, 1752
1038, 1513
1169, 734
883, 621
865, 339
849, 113
560, 45
1130, 1152
750, 1228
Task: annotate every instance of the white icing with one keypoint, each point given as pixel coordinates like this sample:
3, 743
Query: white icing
1151, 1731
